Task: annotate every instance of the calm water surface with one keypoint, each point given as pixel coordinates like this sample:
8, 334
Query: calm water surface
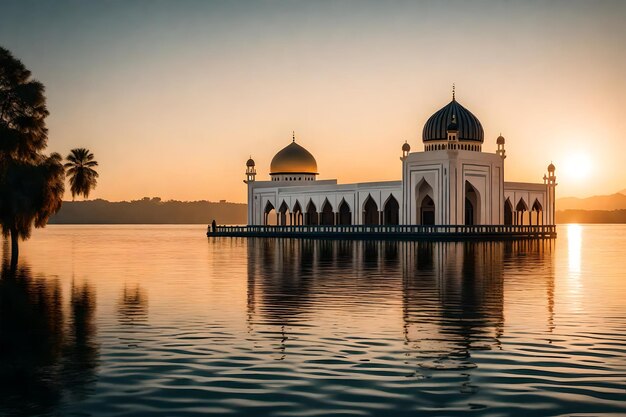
160, 320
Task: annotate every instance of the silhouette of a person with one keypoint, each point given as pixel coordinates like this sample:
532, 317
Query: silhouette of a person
213, 226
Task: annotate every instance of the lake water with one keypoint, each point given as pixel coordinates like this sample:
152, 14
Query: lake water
160, 320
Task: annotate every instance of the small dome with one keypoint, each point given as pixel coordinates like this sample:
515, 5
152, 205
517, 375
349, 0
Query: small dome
468, 125
293, 159
500, 140
250, 162
406, 147
551, 167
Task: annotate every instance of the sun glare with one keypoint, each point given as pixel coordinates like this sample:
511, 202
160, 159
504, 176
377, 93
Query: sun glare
577, 166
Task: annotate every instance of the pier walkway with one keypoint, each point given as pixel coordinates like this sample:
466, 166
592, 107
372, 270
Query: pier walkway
390, 232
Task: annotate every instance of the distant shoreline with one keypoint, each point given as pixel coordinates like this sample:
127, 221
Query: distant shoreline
151, 211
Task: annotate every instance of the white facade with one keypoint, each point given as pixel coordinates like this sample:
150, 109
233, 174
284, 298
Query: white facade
451, 182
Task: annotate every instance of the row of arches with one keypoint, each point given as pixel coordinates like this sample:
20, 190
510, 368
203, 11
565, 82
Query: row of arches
516, 216
327, 216
390, 213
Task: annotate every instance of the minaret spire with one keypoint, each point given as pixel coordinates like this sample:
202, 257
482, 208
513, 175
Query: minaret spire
453, 92
293, 135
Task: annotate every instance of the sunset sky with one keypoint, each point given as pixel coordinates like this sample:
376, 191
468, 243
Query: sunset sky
174, 96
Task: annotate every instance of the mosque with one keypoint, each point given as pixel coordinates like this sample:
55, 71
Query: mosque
451, 182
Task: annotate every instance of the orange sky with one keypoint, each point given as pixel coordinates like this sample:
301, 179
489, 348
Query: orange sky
173, 97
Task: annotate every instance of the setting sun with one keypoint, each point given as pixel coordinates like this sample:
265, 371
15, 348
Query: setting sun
577, 166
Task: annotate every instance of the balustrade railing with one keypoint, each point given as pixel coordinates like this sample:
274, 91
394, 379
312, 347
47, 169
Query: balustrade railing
389, 229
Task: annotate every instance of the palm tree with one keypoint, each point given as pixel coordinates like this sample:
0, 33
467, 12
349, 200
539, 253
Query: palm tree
31, 183
80, 171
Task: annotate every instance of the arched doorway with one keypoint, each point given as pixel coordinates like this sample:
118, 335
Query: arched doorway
345, 216
391, 211
538, 209
370, 211
425, 203
508, 212
311, 214
328, 217
297, 213
427, 211
270, 217
520, 208
472, 205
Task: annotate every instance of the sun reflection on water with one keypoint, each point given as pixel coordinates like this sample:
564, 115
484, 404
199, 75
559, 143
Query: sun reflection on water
574, 246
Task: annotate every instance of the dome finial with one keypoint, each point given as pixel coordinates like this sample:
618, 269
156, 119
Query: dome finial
453, 92
293, 135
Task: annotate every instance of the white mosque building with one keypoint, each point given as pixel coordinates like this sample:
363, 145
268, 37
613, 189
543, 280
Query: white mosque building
451, 182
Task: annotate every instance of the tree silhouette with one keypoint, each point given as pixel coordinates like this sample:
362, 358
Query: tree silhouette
31, 183
83, 178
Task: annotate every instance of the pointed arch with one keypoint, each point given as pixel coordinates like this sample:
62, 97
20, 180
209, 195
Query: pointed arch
425, 203
284, 214
391, 211
508, 212
345, 214
297, 213
269, 214
311, 217
328, 216
538, 209
370, 211
520, 208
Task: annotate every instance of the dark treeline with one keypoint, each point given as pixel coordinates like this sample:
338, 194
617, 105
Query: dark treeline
591, 216
149, 211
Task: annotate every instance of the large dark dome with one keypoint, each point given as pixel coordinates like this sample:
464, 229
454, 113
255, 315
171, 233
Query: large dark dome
468, 125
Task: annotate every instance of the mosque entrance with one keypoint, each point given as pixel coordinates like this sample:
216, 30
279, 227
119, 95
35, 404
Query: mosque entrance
472, 209
370, 211
425, 203
427, 211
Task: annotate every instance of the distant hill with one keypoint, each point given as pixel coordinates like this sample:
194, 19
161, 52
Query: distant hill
623, 191
615, 201
149, 211
591, 216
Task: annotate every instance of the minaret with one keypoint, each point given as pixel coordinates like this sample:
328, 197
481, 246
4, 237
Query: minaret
250, 177
406, 148
500, 142
250, 171
550, 181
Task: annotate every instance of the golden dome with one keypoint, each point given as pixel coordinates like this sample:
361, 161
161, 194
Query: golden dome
293, 159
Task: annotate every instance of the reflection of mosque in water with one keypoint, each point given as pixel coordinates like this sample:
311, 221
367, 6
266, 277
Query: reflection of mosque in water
451, 294
48, 349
